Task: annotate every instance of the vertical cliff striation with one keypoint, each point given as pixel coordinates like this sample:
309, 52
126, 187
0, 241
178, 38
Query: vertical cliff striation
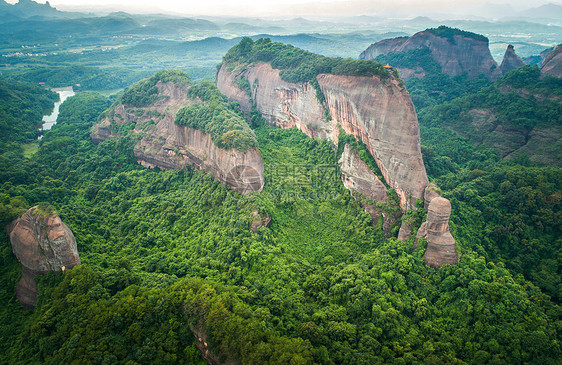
167, 144
42, 243
378, 112
281, 103
552, 64
381, 114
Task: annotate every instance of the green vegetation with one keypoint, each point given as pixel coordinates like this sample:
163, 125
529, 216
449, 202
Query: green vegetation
514, 202
450, 33
80, 77
519, 103
419, 57
145, 92
169, 252
298, 65
215, 116
22, 107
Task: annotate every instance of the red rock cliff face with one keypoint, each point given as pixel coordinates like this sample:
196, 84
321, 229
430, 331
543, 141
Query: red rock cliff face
42, 244
378, 112
465, 54
511, 61
382, 115
552, 64
170, 146
281, 103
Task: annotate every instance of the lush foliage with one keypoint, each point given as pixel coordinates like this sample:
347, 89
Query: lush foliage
298, 65
145, 93
450, 33
215, 116
21, 108
418, 57
320, 284
513, 105
80, 77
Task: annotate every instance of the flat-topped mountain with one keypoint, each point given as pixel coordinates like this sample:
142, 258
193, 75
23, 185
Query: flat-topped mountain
455, 51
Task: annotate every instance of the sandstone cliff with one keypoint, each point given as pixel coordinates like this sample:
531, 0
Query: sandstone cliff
552, 64
456, 51
42, 243
510, 61
440, 243
167, 145
378, 112
281, 103
366, 187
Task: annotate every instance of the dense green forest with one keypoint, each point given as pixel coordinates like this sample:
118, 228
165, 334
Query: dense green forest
298, 65
170, 253
515, 202
22, 106
219, 118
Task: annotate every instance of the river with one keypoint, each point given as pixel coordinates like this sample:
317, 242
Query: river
50, 120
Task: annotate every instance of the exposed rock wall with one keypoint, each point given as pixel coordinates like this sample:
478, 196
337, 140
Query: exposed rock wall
510, 61
281, 103
379, 112
183, 146
170, 146
552, 64
42, 244
462, 54
357, 176
382, 115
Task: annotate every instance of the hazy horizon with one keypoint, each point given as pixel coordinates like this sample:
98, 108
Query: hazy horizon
296, 8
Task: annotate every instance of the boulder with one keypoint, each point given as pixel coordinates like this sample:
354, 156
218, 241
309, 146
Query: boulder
42, 243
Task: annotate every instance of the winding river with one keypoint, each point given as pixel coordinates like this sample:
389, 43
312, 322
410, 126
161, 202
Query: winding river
50, 120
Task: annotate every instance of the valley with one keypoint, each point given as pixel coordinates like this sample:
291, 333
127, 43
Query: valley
368, 189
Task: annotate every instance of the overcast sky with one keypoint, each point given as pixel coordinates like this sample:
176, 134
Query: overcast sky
290, 7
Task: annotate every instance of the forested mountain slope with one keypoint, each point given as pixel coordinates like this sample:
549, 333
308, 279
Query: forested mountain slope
170, 262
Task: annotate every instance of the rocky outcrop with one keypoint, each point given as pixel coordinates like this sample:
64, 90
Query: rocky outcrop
552, 64
440, 243
456, 51
510, 61
378, 112
357, 176
366, 187
381, 114
42, 243
281, 103
167, 145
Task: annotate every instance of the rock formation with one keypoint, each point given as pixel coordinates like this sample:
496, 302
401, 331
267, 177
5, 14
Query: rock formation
440, 243
357, 176
379, 112
167, 145
42, 243
363, 183
511, 61
552, 64
456, 51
